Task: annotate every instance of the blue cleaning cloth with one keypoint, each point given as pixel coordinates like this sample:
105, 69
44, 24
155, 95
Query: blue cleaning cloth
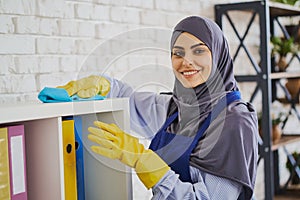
55, 95
52, 95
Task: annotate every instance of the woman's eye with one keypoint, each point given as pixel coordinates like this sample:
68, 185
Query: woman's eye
178, 53
198, 51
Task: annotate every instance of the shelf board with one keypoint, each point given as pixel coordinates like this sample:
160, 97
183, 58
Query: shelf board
280, 9
286, 139
279, 75
286, 101
291, 193
37, 110
275, 8
247, 78
275, 75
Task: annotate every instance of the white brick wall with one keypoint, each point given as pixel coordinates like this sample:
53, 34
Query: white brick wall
16, 44
48, 42
47, 38
6, 24
23, 7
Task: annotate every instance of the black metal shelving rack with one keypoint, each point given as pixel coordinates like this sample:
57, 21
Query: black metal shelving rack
265, 77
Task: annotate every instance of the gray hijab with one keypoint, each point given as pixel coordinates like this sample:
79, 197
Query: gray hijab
229, 146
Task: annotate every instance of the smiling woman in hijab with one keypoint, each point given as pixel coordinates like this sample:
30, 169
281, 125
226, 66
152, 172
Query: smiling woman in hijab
205, 146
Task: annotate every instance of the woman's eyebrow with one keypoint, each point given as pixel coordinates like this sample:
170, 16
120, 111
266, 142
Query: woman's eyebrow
178, 47
195, 45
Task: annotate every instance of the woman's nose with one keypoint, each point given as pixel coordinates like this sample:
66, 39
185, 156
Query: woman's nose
187, 60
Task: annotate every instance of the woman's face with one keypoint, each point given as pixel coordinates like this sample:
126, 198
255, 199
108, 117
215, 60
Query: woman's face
191, 60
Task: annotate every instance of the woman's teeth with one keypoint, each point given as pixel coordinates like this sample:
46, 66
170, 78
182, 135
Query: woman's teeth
189, 73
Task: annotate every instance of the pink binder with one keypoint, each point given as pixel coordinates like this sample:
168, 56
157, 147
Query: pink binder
17, 162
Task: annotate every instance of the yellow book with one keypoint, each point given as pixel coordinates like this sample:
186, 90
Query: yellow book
69, 159
4, 166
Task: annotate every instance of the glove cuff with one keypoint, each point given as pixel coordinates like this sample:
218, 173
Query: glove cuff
150, 168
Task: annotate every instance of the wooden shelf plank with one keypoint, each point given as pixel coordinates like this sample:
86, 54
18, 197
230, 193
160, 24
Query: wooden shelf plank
280, 9
286, 139
276, 75
279, 75
292, 193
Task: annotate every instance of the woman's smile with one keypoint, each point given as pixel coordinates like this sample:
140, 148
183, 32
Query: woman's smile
190, 73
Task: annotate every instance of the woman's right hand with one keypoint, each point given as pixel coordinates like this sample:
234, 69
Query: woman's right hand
88, 87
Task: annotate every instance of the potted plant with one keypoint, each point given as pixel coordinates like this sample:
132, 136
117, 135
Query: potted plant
293, 86
290, 2
295, 179
276, 129
282, 47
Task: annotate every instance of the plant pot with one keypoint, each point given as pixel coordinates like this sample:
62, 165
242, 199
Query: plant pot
276, 133
293, 86
282, 64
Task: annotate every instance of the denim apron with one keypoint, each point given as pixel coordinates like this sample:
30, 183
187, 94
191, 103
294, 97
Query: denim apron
175, 149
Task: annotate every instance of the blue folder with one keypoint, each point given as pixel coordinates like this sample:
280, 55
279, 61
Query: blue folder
79, 158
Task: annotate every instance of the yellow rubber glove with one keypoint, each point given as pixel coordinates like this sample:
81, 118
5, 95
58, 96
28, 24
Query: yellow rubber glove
88, 86
116, 144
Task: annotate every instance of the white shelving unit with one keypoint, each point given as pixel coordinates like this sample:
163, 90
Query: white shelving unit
104, 178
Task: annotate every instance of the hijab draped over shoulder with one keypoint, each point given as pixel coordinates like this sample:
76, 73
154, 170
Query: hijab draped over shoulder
229, 146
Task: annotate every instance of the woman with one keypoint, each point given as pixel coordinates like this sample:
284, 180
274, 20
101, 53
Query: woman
205, 146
